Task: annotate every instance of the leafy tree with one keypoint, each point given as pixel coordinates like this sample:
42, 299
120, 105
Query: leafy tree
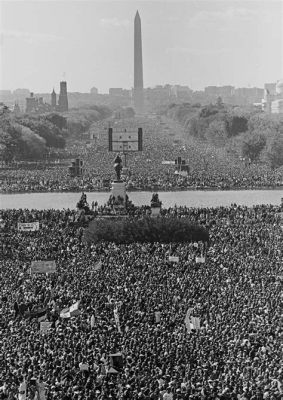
236, 124
216, 133
275, 152
31, 145
57, 120
47, 130
252, 145
208, 111
219, 102
166, 230
197, 127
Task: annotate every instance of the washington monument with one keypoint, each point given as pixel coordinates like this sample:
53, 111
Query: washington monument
138, 72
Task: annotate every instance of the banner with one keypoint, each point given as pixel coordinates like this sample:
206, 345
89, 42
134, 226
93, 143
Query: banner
165, 162
75, 306
42, 318
28, 226
173, 259
71, 311
42, 267
200, 260
45, 326
39, 313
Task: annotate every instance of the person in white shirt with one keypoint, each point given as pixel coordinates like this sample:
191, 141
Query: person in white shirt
168, 395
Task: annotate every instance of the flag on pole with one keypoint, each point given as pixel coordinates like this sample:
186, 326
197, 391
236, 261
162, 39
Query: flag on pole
71, 311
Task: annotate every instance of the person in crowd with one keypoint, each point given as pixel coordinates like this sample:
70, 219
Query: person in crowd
236, 294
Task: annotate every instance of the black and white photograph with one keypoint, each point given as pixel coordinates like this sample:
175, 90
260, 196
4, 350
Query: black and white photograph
141, 199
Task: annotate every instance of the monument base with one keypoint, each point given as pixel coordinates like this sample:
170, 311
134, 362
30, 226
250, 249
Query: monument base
155, 211
118, 189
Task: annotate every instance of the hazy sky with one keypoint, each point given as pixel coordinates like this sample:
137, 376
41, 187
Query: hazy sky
90, 43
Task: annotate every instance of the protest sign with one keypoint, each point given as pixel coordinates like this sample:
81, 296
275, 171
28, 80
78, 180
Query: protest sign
173, 259
43, 267
117, 320
97, 266
45, 326
157, 316
28, 226
200, 260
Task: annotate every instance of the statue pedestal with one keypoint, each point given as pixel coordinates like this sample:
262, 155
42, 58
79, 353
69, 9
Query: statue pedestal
155, 211
118, 188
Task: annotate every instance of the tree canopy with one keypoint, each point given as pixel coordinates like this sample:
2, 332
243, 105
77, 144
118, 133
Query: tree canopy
165, 230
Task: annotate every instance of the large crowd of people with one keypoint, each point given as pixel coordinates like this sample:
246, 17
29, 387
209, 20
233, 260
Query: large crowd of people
128, 338
162, 141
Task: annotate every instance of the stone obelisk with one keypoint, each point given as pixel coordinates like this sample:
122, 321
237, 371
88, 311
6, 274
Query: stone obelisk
138, 72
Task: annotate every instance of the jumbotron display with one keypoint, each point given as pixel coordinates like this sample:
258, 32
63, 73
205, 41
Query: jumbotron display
125, 141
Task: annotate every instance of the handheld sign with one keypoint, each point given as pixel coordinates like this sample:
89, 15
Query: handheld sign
45, 326
200, 260
43, 267
28, 226
173, 259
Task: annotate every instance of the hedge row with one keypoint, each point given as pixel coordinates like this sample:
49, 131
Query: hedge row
164, 230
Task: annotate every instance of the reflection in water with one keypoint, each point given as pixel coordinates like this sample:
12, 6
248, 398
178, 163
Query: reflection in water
42, 201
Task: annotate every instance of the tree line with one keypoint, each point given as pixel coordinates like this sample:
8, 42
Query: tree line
245, 132
31, 137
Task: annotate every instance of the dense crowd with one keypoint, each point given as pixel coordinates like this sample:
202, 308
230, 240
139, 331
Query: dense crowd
208, 167
236, 293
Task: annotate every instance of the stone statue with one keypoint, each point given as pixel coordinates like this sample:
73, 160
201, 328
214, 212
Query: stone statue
118, 167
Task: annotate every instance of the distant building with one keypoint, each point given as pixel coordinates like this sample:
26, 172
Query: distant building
31, 103
53, 100
270, 87
115, 92
222, 91
36, 105
17, 109
272, 101
94, 90
63, 97
181, 93
277, 106
21, 93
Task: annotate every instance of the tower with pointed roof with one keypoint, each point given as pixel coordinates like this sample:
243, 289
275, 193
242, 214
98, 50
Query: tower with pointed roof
138, 93
53, 100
